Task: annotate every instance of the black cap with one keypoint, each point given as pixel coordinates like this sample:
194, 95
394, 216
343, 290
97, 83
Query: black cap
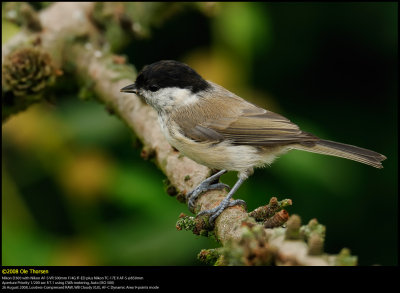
170, 73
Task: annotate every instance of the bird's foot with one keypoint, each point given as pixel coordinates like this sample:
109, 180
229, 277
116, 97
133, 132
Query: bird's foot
225, 203
208, 184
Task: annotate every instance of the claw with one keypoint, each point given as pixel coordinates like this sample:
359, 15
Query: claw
209, 184
226, 202
193, 195
215, 212
205, 186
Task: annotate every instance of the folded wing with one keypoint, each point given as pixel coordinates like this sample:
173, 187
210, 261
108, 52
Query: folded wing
228, 117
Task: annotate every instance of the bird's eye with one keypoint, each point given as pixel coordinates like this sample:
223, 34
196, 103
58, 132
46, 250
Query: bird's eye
154, 88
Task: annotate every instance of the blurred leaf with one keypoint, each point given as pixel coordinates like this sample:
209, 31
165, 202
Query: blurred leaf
86, 174
8, 29
74, 252
89, 122
23, 247
138, 187
242, 27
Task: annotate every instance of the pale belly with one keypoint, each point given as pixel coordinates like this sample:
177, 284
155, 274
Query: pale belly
221, 156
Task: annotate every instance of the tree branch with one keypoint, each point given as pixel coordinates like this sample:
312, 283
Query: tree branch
73, 42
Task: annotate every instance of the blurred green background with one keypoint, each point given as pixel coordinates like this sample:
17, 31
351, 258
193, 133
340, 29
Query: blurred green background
75, 190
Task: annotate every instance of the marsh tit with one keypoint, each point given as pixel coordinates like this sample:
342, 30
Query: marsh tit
222, 131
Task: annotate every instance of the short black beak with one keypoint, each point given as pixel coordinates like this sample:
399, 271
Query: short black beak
129, 89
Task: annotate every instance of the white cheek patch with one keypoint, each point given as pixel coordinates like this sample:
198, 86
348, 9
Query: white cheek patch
168, 99
183, 97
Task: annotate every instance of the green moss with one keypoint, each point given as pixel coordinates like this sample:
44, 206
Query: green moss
344, 258
264, 212
86, 92
315, 244
313, 227
221, 261
186, 223
293, 228
209, 256
198, 225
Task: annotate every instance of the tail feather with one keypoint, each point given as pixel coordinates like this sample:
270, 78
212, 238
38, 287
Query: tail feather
342, 150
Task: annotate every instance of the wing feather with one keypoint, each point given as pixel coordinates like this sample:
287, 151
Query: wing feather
229, 117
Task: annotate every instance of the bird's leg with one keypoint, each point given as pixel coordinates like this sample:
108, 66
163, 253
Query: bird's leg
208, 184
215, 212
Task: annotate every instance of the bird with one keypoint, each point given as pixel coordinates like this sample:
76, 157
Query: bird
218, 129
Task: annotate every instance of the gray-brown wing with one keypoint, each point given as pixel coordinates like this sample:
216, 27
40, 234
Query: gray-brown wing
232, 118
